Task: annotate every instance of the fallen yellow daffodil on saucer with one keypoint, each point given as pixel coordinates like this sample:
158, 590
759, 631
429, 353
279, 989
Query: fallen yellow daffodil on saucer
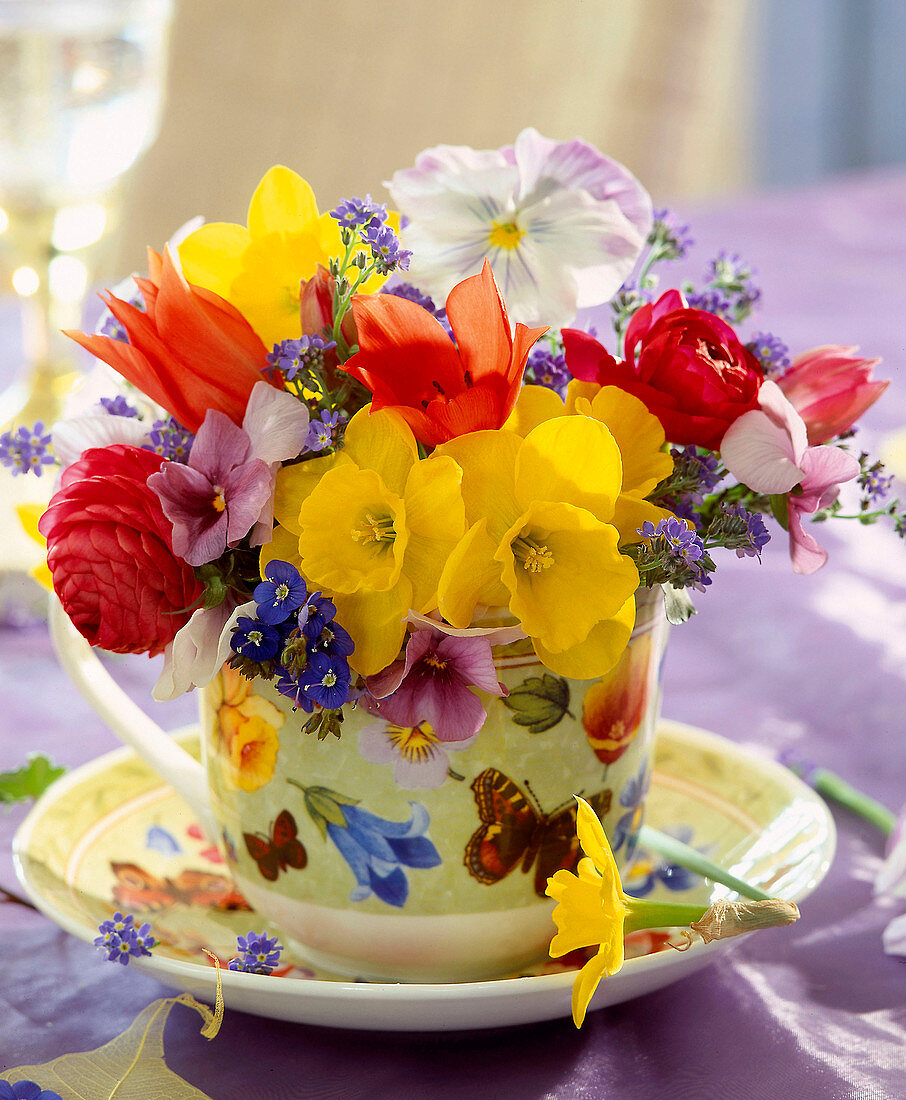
592, 910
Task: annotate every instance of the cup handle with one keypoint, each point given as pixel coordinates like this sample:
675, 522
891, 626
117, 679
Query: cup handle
128, 721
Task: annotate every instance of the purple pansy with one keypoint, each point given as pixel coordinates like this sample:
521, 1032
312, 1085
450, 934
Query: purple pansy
433, 682
418, 756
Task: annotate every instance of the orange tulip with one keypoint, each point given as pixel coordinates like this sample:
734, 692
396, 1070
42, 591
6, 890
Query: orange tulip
190, 350
442, 390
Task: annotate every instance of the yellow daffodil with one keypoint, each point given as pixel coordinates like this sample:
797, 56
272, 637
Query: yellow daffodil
541, 541
372, 526
259, 268
637, 432
591, 910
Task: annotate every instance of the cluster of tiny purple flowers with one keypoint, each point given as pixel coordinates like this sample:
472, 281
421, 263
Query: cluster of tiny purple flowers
304, 357
547, 367
169, 439
671, 237
26, 450
368, 220
121, 939
771, 352
118, 406
259, 955
729, 291
295, 638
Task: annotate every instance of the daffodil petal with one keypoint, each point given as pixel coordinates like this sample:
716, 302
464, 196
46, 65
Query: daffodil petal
436, 520
598, 653
595, 843
580, 579
534, 405
639, 436
471, 576
284, 546
570, 458
377, 623
588, 979
294, 483
577, 389
283, 202
382, 441
630, 512
211, 257
487, 460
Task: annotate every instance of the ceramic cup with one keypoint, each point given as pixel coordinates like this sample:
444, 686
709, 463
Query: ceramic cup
390, 855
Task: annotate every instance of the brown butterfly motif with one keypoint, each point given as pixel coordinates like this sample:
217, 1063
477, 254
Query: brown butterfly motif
138, 890
279, 851
514, 831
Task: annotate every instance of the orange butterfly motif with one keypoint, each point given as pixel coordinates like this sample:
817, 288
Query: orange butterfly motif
279, 851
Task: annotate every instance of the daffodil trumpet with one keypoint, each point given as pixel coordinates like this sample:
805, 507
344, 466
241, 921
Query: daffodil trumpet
593, 910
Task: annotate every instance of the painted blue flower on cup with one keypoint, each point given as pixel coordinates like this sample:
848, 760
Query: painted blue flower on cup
632, 799
376, 849
650, 870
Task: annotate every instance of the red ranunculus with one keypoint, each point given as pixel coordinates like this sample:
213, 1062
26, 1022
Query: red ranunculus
831, 387
110, 552
442, 390
687, 366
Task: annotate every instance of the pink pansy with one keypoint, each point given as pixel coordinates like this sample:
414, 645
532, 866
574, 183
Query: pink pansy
831, 387
768, 450
560, 223
432, 684
227, 486
418, 755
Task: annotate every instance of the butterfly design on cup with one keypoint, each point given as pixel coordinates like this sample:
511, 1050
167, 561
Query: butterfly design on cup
137, 890
515, 830
279, 851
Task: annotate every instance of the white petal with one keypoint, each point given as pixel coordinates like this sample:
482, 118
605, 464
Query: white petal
72, 437
891, 879
538, 288
199, 649
454, 180
895, 936
759, 453
275, 422
782, 411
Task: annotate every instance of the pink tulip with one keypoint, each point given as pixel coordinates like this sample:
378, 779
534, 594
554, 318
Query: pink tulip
830, 387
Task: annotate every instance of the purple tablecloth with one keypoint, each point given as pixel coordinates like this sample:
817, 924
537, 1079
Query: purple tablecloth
773, 659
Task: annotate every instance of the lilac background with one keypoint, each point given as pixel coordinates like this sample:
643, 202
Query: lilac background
774, 660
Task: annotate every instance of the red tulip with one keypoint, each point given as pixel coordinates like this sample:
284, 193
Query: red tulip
830, 387
191, 351
316, 312
110, 550
442, 390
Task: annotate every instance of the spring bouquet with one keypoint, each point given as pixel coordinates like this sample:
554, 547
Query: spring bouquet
369, 460
313, 468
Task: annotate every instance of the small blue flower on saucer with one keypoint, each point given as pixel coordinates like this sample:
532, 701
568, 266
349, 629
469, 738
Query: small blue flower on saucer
122, 940
259, 954
26, 1090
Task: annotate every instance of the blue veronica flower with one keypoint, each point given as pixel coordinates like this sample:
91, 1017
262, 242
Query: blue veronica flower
282, 592
316, 613
293, 688
334, 641
377, 850
326, 680
259, 954
256, 640
26, 1090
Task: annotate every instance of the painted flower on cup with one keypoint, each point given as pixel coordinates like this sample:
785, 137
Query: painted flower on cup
419, 757
246, 731
441, 389
376, 849
432, 683
632, 799
560, 223
613, 708
686, 365
649, 871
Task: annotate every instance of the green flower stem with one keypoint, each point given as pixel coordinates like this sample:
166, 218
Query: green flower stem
830, 785
656, 914
676, 852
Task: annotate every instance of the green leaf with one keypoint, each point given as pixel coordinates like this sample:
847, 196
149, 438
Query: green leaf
129, 1067
539, 703
320, 804
780, 510
29, 781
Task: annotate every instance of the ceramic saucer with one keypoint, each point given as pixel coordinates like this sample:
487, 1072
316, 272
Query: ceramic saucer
110, 835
